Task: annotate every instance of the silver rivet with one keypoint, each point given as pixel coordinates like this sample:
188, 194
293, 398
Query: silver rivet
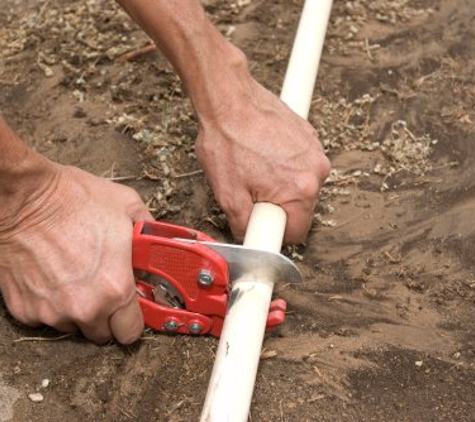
171, 325
195, 328
205, 278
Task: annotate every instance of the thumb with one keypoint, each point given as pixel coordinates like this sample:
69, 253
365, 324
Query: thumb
126, 323
239, 213
299, 220
141, 213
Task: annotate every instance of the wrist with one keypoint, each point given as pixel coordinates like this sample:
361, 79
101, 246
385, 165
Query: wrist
215, 72
223, 87
25, 178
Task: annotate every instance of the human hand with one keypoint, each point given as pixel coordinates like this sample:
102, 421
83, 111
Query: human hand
67, 260
257, 150
251, 146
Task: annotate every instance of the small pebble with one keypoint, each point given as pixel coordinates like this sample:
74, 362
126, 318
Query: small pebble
45, 383
36, 397
418, 363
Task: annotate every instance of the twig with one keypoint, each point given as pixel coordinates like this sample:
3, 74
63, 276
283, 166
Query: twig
121, 178
127, 414
21, 339
111, 171
391, 258
212, 222
175, 407
151, 338
369, 47
317, 370
368, 50
43, 9
150, 176
5, 82
135, 54
191, 173
283, 287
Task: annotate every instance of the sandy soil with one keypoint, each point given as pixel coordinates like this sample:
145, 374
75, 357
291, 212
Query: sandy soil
382, 328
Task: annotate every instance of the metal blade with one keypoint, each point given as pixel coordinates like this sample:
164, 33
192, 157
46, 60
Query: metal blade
247, 262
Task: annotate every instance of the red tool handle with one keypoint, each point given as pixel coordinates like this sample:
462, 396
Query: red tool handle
157, 250
197, 274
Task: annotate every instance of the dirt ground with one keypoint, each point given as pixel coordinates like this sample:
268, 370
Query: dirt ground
382, 329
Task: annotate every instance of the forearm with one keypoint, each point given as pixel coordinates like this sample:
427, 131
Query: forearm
24, 174
212, 69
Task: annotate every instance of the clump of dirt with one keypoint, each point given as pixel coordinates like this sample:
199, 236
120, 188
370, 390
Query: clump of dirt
382, 328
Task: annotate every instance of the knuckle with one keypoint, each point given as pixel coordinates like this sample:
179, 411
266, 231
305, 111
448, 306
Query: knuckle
307, 186
84, 314
228, 204
20, 316
29, 320
119, 293
18, 312
132, 196
135, 207
325, 167
50, 319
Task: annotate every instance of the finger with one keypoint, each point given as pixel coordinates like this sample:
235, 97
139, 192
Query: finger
324, 169
318, 144
17, 305
136, 209
21, 316
32, 323
98, 331
126, 323
55, 318
141, 214
238, 215
299, 220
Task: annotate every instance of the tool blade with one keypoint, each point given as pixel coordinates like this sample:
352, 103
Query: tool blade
243, 261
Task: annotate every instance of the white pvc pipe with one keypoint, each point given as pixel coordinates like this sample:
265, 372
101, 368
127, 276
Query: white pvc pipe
302, 70
232, 381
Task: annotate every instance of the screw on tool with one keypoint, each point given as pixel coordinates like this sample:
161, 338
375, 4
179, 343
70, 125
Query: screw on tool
171, 325
205, 278
195, 328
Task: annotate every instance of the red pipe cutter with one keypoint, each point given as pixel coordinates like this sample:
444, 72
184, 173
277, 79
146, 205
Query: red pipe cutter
183, 277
